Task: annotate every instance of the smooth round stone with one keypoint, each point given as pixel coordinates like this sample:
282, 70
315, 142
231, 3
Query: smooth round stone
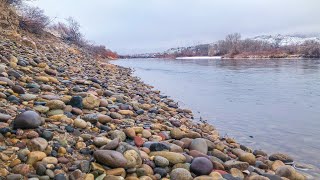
146, 133
201, 166
5, 130
27, 120
92, 118
182, 165
236, 173
110, 158
76, 101
130, 132
236, 164
38, 144
8, 81
220, 155
100, 141
18, 89
45, 87
176, 133
48, 135
282, 157
158, 147
161, 161
259, 153
79, 123
289, 172
180, 174
32, 85
248, 157
105, 128
41, 109
173, 158
4, 117
85, 166
115, 115
50, 160
50, 173
14, 99
14, 177
90, 102
56, 104
60, 177
44, 178
63, 160
104, 118
69, 129
55, 112
200, 145
41, 170
28, 97
22, 169
112, 144
161, 171
140, 111
14, 74
138, 141
118, 134
230, 177
38, 103
133, 159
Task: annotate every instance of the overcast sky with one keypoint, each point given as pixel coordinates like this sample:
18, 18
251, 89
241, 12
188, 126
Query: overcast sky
136, 26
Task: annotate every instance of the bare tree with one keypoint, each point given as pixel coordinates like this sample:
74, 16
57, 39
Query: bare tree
231, 45
310, 49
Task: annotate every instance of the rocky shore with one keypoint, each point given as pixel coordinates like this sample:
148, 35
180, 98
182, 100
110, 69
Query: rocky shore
65, 115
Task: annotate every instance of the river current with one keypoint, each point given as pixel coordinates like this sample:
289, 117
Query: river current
273, 105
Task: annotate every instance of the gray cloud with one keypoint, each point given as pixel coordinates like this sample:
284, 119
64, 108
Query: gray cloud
135, 26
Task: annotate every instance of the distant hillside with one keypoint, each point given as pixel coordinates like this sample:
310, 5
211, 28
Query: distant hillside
264, 46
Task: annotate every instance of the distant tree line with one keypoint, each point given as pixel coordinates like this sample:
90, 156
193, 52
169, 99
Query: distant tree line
233, 45
34, 20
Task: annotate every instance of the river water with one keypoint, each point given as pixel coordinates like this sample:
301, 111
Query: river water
273, 105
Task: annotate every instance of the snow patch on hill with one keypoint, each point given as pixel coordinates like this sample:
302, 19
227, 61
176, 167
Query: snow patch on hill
285, 40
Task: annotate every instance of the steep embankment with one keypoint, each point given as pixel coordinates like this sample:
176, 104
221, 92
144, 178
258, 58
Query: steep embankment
65, 114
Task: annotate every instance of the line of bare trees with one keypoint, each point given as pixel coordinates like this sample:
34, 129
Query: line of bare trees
233, 45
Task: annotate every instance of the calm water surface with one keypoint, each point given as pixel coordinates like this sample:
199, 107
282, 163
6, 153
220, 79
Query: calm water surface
272, 105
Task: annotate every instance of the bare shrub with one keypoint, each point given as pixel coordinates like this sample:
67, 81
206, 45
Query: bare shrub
33, 19
70, 32
13, 2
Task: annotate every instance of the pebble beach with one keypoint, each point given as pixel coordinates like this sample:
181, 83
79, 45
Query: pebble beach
66, 115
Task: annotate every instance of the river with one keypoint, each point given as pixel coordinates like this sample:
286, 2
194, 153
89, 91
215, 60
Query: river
273, 105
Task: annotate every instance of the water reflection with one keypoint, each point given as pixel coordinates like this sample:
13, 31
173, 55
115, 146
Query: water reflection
311, 65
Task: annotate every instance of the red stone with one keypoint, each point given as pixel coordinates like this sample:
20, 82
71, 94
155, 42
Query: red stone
162, 136
138, 141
